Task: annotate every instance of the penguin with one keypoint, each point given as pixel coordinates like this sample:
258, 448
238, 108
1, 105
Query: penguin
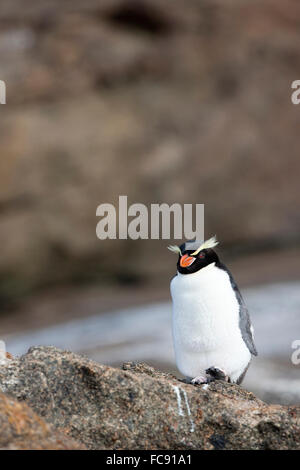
212, 332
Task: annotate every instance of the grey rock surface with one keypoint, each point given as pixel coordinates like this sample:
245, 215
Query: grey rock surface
141, 408
144, 333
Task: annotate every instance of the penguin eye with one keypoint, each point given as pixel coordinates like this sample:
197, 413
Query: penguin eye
202, 255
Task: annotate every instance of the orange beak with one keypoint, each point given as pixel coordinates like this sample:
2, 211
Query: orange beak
186, 261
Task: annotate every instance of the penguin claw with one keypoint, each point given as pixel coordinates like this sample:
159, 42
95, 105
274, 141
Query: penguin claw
217, 374
212, 374
200, 379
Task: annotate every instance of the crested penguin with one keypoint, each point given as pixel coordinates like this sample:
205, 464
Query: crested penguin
212, 332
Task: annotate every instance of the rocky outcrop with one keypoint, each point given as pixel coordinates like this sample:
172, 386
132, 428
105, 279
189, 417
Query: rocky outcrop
164, 101
141, 408
22, 429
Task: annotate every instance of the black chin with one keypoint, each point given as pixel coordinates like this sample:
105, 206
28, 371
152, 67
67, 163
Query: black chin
210, 257
190, 269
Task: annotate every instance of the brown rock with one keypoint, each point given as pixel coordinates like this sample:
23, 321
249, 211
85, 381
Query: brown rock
165, 101
22, 429
141, 408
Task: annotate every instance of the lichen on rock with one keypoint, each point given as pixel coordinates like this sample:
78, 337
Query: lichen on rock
22, 429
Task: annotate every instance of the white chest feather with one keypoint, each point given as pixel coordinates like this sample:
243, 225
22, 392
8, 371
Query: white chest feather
206, 323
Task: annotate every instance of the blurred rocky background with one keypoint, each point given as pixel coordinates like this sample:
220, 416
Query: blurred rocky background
162, 101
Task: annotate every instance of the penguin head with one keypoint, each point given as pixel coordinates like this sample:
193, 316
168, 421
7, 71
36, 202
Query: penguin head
194, 255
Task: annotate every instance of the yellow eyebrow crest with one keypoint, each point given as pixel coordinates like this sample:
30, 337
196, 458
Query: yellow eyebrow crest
210, 243
175, 249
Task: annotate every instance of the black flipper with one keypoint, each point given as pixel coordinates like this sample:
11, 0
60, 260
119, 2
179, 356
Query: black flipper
245, 323
242, 376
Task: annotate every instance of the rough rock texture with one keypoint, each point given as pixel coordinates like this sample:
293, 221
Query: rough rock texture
22, 429
141, 408
162, 100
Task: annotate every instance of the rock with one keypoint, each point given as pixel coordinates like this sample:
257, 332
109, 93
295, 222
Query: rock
121, 98
22, 429
141, 408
